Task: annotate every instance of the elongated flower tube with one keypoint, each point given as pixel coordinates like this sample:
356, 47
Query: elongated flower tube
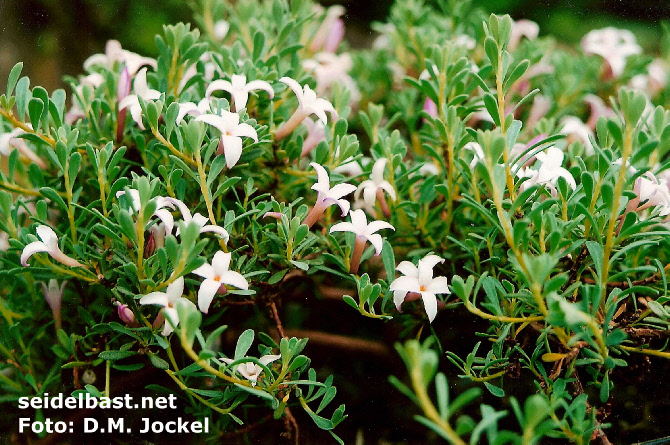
141, 89
316, 133
122, 91
239, 89
251, 371
49, 244
168, 300
373, 189
327, 196
53, 294
232, 133
217, 275
309, 104
419, 280
364, 232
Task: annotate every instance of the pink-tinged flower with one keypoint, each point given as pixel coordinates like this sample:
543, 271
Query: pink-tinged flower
523, 28
329, 35
115, 54
239, 89
125, 314
4, 241
327, 196
653, 193
364, 232
53, 294
373, 189
431, 108
251, 371
612, 44
93, 80
309, 104
420, 280
329, 69
11, 140
49, 244
122, 91
539, 109
316, 132
598, 110
201, 221
141, 89
190, 108
217, 275
655, 79
232, 133
168, 299
576, 130
162, 206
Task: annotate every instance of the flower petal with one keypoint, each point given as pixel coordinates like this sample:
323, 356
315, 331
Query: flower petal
439, 285
31, 249
408, 269
399, 297
159, 298
430, 304
205, 271
221, 262
208, 289
218, 85
268, 359
232, 149
245, 130
343, 227
377, 241
295, 86
234, 279
407, 284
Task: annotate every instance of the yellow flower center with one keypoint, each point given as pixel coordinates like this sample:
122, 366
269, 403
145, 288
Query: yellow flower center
422, 288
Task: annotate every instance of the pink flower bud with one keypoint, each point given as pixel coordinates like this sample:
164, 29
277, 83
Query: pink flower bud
334, 37
125, 314
430, 107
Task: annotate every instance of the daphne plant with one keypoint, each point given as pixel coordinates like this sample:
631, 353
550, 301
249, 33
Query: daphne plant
512, 190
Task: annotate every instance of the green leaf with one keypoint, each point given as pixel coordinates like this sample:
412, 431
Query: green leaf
13, 78
54, 197
498, 392
35, 109
116, 355
158, 362
244, 343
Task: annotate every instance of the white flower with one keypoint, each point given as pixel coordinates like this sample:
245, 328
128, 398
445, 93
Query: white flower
550, 170
329, 69
251, 371
200, 220
429, 169
49, 244
374, 187
11, 140
221, 28
612, 44
316, 132
654, 192
239, 89
477, 151
327, 196
574, 128
465, 41
364, 232
162, 205
655, 79
232, 133
308, 104
217, 275
202, 107
420, 280
141, 89
53, 294
523, 28
168, 300
114, 53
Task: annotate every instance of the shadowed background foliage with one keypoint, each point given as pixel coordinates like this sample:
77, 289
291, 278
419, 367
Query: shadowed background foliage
54, 37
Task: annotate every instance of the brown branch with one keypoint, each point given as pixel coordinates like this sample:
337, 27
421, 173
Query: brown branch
350, 344
275, 316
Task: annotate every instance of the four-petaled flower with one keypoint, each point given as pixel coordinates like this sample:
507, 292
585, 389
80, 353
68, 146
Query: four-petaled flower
612, 44
309, 104
232, 133
141, 89
49, 244
373, 189
327, 196
198, 219
251, 371
217, 275
239, 89
168, 300
364, 232
420, 280
162, 205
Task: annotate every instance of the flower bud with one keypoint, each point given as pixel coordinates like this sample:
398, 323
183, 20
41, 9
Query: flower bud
125, 314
